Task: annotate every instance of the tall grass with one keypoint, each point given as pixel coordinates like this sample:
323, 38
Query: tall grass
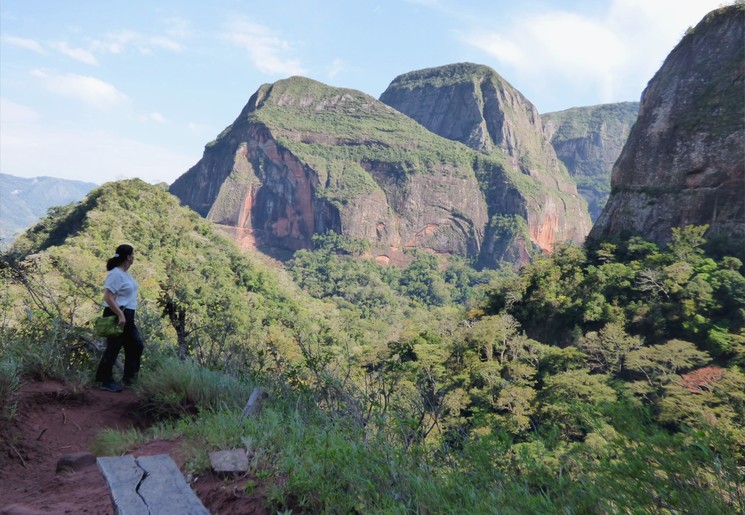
9, 385
175, 388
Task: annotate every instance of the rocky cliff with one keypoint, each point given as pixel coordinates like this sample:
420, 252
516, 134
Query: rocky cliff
684, 161
304, 158
472, 104
588, 140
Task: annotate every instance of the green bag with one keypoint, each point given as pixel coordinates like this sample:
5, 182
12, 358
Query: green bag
107, 326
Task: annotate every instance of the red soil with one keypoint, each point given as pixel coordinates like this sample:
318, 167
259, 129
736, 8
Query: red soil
54, 420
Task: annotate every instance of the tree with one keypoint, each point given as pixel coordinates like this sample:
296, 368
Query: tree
687, 243
608, 349
573, 401
661, 363
422, 281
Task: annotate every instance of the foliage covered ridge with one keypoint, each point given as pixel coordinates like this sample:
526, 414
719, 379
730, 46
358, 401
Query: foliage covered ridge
560, 388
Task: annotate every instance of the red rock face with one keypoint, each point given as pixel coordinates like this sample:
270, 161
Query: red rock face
277, 206
472, 104
544, 234
702, 379
273, 184
684, 161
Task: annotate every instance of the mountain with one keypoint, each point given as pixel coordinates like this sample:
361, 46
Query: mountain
304, 158
684, 161
588, 140
24, 201
472, 104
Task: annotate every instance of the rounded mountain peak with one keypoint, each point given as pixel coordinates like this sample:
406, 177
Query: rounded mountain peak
445, 76
304, 93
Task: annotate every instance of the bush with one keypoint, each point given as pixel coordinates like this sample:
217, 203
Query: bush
175, 388
9, 385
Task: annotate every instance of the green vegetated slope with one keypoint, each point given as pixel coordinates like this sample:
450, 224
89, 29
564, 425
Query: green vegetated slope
347, 125
198, 291
588, 140
600, 380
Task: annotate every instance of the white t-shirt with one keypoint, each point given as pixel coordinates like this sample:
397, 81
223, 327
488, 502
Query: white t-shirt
123, 286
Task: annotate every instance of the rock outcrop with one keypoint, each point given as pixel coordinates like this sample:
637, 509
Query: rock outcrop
588, 140
304, 158
684, 161
472, 104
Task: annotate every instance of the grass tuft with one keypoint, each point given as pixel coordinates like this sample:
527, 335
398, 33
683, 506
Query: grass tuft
181, 388
9, 384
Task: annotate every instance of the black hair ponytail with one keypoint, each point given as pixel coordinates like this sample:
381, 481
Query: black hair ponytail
120, 256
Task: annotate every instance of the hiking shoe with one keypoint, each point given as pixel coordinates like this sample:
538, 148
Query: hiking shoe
112, 387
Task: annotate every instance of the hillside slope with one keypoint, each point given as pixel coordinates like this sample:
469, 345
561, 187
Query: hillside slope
198, 290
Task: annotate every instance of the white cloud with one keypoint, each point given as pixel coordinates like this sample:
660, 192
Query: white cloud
336, 66
28, 44
610, 55
93, 156
650, 30
153, 117
268, 52
79, 54
197, 128
559, 45
120, 41
178, 28
114, 43
90, 90
165, 43
11, 112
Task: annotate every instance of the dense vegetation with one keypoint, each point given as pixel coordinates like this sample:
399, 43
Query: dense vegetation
606, 379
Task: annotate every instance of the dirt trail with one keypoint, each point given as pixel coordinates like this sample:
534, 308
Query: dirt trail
55, 420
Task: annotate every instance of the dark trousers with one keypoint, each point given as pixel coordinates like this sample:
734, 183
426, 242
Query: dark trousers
133, 345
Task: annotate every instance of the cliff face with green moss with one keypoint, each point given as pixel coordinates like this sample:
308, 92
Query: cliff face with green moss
588, 140
684, 161
304, 158
472, 104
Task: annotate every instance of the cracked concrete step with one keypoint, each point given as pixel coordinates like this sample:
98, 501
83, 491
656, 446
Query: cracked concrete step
149, 485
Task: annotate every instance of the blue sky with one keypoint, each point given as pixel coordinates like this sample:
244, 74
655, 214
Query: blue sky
99, 90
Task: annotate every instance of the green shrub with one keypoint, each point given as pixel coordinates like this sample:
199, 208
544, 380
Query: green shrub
175, 388
9, 385
111, 442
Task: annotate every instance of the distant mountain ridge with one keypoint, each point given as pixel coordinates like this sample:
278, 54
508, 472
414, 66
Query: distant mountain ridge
24, 201
588, 140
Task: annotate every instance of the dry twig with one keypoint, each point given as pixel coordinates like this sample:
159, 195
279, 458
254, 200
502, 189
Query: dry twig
23, 462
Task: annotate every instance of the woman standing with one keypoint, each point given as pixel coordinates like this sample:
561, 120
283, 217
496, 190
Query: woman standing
120, 299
